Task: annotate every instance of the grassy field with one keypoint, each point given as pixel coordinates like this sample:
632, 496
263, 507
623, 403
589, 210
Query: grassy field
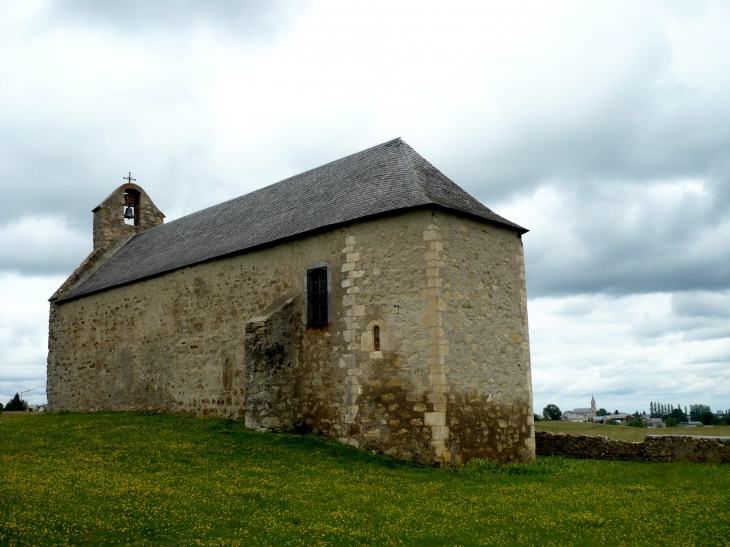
625, 432
155, 479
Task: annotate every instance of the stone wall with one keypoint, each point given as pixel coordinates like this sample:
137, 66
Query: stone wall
484, 315
170, 341
384, 274
450, 381
654, 448
273, 368
111, 232
109, 225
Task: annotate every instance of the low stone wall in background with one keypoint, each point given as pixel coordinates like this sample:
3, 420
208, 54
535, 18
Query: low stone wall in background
654, 448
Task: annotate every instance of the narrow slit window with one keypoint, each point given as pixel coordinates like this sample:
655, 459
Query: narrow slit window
376, 338
317, 298
227, 375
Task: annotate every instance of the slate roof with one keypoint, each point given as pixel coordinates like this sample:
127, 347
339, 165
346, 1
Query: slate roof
386, 178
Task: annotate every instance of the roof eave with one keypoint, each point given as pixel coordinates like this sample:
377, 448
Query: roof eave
510, 226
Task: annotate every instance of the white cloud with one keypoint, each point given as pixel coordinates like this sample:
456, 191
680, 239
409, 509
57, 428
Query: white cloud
24, 335
613, 349
42, 246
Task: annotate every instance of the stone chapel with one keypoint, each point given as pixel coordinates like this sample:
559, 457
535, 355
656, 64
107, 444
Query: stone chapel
370, 299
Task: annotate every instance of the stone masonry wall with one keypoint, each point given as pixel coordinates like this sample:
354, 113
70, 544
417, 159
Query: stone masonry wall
384, 276
111, 232
654, 448
109, 225
273, 368
168, 342
450, 379
483, 303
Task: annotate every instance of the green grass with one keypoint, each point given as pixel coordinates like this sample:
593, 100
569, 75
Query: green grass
155, 479
625, 432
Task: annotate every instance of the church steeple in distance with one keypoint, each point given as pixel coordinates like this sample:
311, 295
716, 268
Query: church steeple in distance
593, 404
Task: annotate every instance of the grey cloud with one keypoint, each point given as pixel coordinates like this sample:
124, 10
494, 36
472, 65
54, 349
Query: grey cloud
639, 124
55, 175
690, 329
23, 373
584, 159
622, 239
51, 166
54, 166
42, 246
241, 19
605, 152
577, 308
701, 304
601, 146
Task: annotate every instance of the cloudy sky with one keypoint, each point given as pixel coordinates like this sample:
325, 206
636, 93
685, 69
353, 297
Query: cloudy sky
602, 127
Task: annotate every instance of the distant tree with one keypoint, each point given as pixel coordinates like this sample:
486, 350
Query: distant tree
1, 408
16, 404
612, 422
537, 417
552, 412
696, 411
678, 415
601, 412
670, 422
615, 411
636, 422
706, 418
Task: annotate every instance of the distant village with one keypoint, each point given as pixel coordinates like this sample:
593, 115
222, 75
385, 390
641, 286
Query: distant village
660, 415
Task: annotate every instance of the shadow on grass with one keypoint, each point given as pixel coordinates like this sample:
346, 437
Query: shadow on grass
305, 444
326, 447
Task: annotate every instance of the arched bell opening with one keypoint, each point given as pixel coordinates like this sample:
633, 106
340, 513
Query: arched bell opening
131, 207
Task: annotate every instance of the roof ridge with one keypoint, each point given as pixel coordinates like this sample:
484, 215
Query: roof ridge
252, 192
397, 140
410, 170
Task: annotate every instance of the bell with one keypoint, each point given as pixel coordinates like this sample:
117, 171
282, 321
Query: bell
129, 213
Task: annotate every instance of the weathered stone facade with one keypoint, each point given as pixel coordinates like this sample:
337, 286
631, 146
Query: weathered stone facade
111, 231
654, 448
110, 227
370, 299
451, 380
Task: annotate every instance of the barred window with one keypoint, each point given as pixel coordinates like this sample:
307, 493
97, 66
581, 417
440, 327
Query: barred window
317, 298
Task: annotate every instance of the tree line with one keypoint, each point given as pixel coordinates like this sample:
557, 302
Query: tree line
696, 413
15, 404
670, 414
